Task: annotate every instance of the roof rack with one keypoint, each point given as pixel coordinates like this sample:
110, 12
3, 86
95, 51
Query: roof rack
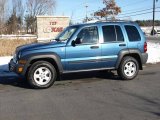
114, 21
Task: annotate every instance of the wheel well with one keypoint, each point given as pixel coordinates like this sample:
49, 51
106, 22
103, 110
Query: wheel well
50, 60
137, 57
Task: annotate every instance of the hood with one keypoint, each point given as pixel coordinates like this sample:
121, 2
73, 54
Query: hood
36, 46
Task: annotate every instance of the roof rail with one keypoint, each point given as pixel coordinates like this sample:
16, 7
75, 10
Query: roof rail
114, 21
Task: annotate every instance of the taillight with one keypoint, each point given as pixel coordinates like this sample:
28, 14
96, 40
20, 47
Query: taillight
145, 47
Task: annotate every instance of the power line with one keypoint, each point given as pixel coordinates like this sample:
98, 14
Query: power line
140, 8
129, 14
137, 11
130, 4
125, 15
135, 14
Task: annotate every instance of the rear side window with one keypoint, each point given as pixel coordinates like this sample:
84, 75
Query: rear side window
120, 36
132, 33
112, 33
109, 33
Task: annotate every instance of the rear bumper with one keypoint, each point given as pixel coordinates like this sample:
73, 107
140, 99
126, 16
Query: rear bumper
144, 58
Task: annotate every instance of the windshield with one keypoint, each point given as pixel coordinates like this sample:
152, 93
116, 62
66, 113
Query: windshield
66, 34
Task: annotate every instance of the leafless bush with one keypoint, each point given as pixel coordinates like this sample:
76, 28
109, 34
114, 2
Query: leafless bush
7, 47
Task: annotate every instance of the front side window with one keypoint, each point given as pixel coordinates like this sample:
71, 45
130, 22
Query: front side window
132, 32
88, 35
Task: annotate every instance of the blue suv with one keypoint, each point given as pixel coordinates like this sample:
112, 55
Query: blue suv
117, 46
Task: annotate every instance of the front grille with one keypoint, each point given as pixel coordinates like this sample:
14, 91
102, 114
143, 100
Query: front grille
11, 68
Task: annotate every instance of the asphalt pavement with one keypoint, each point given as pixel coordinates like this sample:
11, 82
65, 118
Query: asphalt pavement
84, 96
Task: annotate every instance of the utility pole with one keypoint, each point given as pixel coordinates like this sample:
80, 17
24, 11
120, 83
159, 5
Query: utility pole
86, 6
154, 3
86, 12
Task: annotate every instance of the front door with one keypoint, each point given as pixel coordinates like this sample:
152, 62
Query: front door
86, 52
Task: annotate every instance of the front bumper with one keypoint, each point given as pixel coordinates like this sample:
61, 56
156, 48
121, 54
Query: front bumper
14, 67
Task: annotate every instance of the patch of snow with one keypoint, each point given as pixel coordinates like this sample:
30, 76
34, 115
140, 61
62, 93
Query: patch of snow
4, 63
13, 37
153, 52
4, 71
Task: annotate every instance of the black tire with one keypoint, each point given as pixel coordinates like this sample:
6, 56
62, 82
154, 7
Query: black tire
126, 73
34, 70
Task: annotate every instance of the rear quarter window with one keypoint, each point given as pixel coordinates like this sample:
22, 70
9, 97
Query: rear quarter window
132, 32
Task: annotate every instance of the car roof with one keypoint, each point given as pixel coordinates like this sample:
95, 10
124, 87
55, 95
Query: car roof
106, 22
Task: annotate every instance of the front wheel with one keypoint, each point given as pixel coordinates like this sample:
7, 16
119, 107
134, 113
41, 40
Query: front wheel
128, 68
41, 74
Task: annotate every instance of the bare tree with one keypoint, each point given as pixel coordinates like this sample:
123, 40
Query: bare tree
19, 7
38, 7
2, 13
15, 20
111, 9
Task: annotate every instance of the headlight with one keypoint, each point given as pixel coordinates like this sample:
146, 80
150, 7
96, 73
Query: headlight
15, 57
19, 55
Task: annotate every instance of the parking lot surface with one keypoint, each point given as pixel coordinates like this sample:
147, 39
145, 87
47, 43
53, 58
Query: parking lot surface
84, 96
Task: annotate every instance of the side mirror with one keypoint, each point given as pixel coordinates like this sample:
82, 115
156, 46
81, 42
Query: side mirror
77, 41
73, 43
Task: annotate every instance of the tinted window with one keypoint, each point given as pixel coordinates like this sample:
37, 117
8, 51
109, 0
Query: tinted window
120, 36
88, 35
132, 33
109, 33
112, 33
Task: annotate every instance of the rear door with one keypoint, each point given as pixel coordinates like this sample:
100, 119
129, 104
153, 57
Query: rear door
113, 43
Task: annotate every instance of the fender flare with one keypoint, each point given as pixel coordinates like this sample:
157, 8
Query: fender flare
124, 52
29, 58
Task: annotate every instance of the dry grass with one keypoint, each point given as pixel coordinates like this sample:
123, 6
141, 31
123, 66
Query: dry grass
8, 47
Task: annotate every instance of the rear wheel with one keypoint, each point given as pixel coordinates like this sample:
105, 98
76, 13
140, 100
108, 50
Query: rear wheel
42, 74
128, 68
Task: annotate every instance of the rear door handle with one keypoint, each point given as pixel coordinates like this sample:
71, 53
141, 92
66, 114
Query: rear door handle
122, 44
94, 47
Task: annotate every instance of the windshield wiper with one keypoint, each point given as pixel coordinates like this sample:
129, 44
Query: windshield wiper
58, 40
55, 40
64, 39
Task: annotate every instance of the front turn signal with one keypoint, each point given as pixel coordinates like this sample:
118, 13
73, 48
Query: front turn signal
20, 69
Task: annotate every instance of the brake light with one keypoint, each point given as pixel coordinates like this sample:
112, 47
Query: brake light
145, 47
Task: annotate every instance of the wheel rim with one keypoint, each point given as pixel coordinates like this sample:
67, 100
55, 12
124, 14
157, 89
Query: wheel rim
42, 76
130, 69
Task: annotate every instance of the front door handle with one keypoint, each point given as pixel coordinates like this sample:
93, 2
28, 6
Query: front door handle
94, 47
